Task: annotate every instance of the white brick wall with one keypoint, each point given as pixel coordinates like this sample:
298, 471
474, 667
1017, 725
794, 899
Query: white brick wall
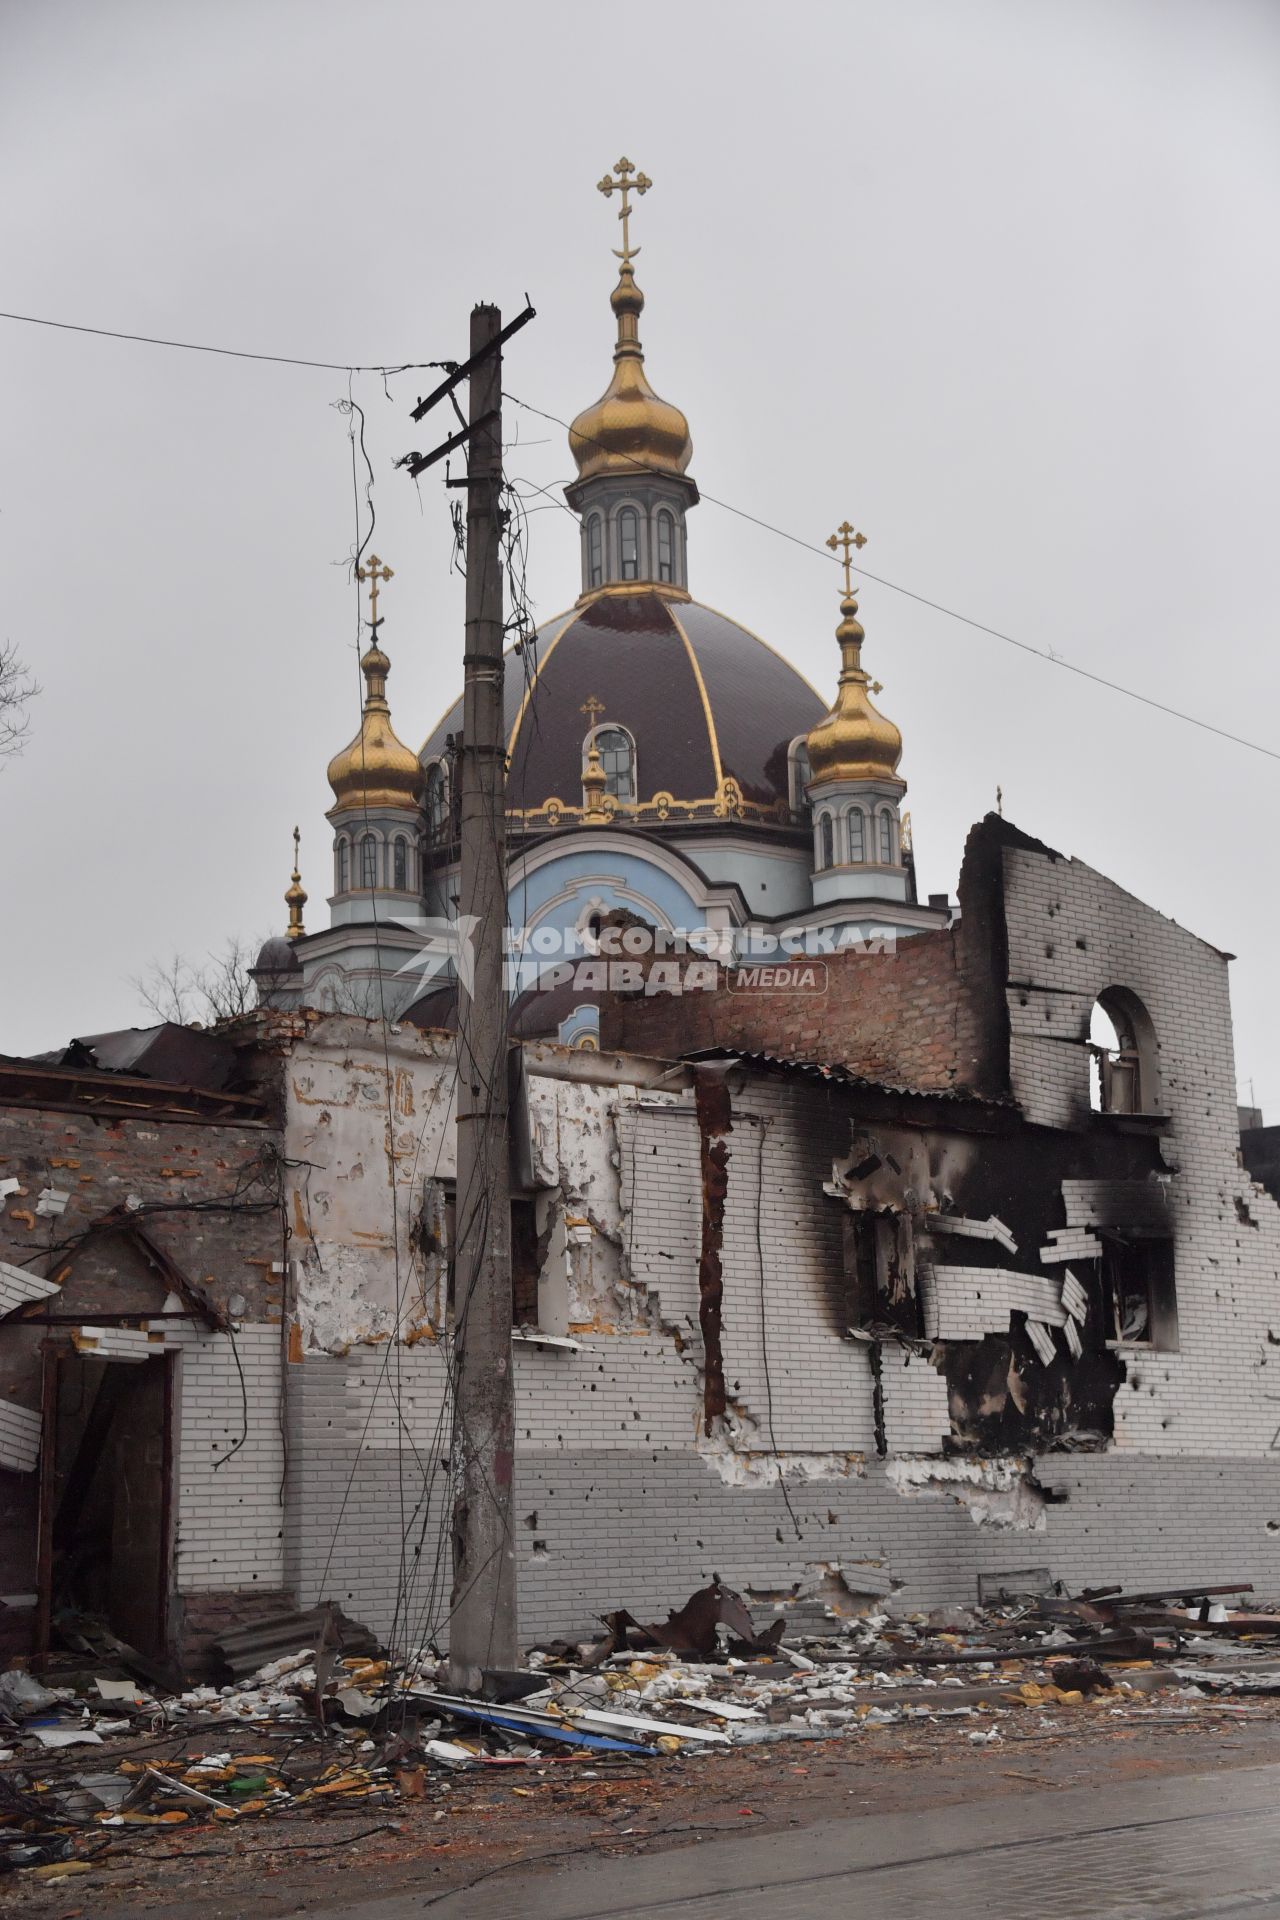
916, 1415
230, 1518
619, 1502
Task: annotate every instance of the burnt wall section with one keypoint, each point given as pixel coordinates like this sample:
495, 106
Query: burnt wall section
1072, 935
1013, 1389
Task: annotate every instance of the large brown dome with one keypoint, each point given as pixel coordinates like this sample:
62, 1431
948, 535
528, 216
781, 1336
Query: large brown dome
712, 711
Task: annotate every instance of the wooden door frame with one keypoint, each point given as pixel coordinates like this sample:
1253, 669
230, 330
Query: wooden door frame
53, 1356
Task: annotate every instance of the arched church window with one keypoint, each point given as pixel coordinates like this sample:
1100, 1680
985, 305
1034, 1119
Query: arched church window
666, 546
826, 842
595, 551
437, 803
1122, 1046
344, 865
798, 773
617, 752
886, 840
368, 861
400, 863
856, 827
629, 543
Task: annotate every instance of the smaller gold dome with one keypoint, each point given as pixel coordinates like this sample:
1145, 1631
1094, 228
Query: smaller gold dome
377, 769
855, 741
629, 429
295, 896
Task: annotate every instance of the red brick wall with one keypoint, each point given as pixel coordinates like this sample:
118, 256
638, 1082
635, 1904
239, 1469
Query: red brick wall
919, 1017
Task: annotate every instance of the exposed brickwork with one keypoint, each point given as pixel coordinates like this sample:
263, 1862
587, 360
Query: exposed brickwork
100, 1163
913, 1018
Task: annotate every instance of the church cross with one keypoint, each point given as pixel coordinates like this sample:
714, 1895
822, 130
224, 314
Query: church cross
844, 536
374, 572
591, 706
627, 181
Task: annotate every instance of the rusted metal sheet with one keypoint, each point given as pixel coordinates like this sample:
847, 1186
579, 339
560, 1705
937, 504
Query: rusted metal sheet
691, 1629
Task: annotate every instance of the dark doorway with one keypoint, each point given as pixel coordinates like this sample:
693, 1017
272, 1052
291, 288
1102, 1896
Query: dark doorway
105, 1496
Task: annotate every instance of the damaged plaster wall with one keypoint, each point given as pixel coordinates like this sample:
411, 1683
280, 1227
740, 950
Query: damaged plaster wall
997, 1493
794, 1385
360, 1124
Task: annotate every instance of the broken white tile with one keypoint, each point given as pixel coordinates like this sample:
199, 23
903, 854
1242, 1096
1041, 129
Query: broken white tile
1042, 1340
114, 1343
1074, 1298
18, 1286
19, 1437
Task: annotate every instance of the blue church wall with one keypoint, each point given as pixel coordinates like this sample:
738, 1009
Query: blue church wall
547, 905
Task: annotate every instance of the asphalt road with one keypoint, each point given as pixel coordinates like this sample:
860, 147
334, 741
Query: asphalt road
1173, 1849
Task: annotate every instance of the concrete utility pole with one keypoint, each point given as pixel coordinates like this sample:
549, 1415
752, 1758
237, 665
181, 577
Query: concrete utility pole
482, 1630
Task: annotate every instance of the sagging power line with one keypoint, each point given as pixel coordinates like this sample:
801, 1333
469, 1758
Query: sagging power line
782, 533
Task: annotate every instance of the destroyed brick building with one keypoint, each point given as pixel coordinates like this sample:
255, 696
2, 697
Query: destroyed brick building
140, 1250
885, 1289
930, 1260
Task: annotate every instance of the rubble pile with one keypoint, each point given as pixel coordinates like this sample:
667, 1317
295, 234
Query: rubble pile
94, 1766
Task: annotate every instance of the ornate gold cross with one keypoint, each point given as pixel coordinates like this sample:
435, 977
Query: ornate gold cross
297, 840
374, 572
844, 536
591, 707
626, 181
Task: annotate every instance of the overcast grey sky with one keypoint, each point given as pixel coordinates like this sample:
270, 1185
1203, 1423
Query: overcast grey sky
996, 279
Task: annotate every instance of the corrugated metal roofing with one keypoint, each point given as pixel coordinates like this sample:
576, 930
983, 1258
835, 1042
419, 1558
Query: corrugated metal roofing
829, 1071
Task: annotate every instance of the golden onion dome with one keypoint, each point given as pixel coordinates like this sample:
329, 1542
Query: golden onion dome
855, 741
629, 429
295, 896
377, 769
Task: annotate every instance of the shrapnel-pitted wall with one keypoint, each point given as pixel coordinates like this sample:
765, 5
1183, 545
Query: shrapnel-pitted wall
919, 1481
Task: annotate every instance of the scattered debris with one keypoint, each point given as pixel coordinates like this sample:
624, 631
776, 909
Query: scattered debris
322, 1728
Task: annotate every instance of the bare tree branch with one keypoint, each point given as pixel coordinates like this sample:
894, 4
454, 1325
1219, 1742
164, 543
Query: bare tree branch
16, 688
191, 994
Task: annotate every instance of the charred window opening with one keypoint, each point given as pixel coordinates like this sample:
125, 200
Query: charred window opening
433, 1237
1139, 1303
1122, 1046
879, 1267
436, 1241
526, 1263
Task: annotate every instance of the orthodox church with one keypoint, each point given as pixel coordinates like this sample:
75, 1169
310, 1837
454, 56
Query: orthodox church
664, 764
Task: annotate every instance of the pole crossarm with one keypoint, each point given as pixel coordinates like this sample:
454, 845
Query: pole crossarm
419, 462
468, 367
